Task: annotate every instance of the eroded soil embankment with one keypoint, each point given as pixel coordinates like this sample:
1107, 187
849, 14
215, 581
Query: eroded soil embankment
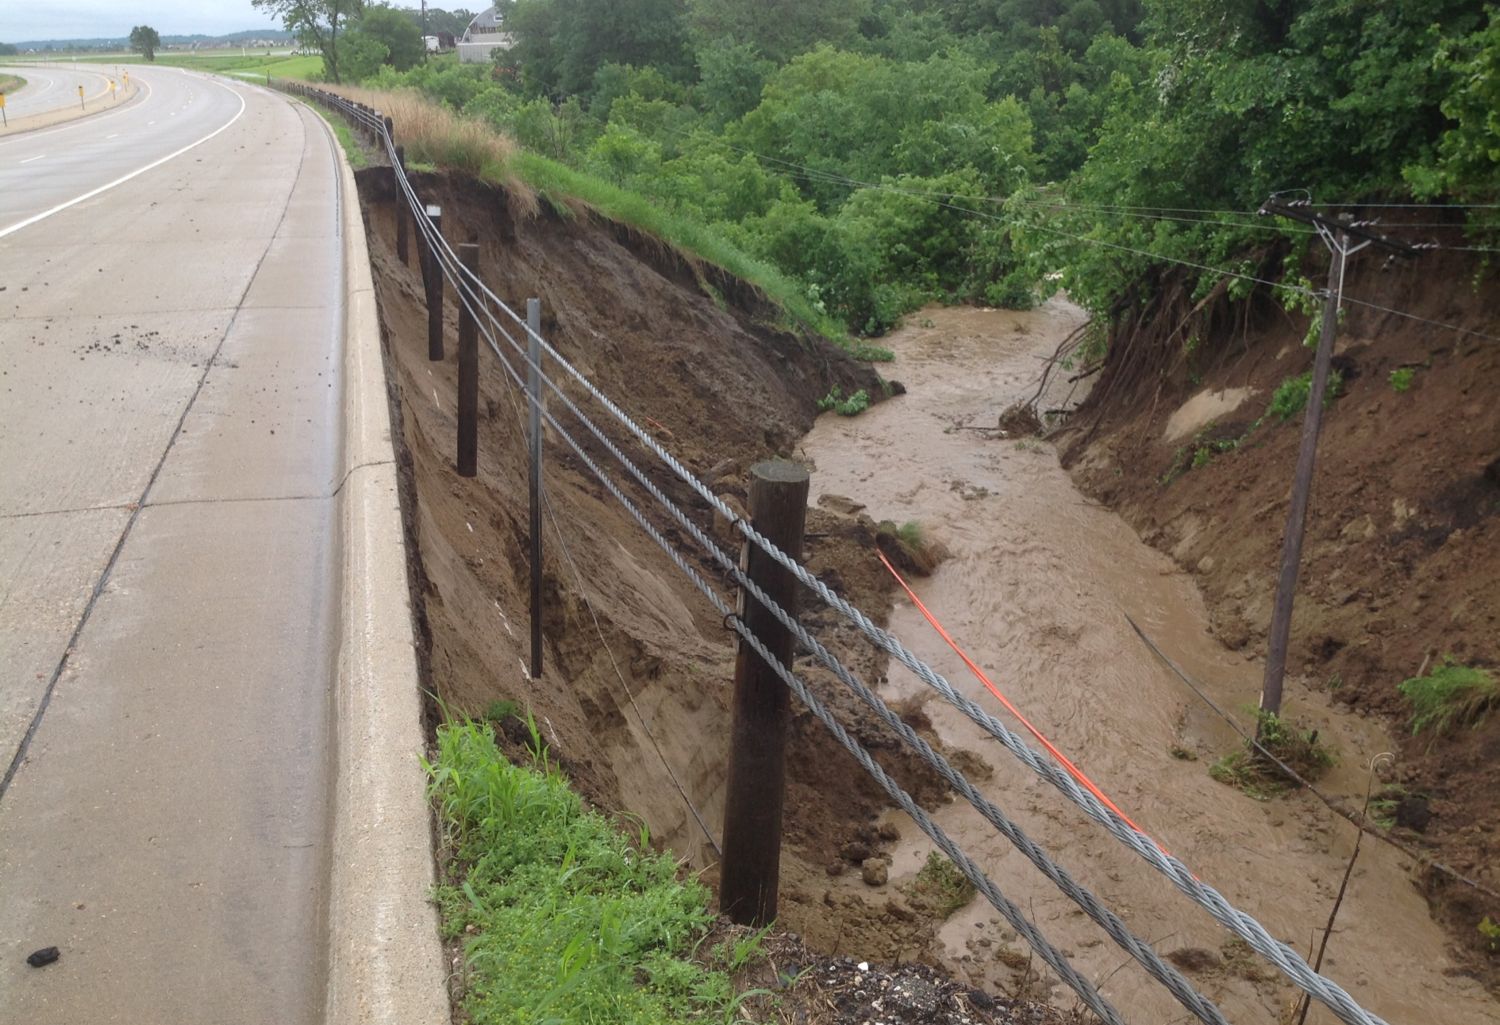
1037, 587
1402, 558
700, 359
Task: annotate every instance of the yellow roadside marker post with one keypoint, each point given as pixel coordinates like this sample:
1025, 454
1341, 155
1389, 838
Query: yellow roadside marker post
3, 115
81, 105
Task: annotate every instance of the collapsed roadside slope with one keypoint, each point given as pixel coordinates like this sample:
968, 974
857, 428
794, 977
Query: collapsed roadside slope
1401, 563
706, 363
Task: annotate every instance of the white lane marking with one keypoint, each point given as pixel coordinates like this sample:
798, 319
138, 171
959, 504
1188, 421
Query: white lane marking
89, 122
39, 156
114, 136
125, 178
150, 122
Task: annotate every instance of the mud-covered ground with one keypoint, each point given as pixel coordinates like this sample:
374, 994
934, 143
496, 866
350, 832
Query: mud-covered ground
1402, 558
636, 661
1037, 588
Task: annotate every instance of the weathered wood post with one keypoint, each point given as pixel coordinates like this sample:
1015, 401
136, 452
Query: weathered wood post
534, 393
468, 374
432, 281
401, 208
756, 787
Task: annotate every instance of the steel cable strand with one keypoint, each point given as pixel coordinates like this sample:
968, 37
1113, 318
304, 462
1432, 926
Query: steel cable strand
470, 300
982, 883
1111, 924
1243, 925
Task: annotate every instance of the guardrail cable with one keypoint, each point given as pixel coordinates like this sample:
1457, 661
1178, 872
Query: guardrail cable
477, 298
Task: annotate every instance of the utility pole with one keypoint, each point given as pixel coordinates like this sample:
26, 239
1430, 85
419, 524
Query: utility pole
1336, 233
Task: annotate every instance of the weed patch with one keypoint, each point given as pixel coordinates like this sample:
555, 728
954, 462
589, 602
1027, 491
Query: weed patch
564, 919
1450, 694
1401, 379
1250, 771
852, 406
941, 886
1290, 397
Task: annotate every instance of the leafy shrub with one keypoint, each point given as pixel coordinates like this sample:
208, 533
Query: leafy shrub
1450, 693
1491, 932
1247, 769
852, 406
1401, 379
1290, 397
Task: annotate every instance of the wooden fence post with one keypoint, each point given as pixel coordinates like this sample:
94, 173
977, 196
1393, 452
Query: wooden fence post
432, 281
756, 787
468, 374
401, 208
534, 392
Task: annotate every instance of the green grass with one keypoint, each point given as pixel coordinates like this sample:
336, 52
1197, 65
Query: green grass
225, 63
1401, 379
1450, 693
556, 181
343, 132
871, 353
563, 919
10, 83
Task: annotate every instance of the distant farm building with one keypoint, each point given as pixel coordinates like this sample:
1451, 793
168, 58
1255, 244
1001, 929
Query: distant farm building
482, 38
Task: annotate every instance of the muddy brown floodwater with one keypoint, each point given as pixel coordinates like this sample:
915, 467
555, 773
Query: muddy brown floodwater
1036, 588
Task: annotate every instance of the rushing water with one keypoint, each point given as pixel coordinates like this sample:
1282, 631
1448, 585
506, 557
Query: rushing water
1036, 589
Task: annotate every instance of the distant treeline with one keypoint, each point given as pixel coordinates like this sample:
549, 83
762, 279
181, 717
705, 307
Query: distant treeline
123, 42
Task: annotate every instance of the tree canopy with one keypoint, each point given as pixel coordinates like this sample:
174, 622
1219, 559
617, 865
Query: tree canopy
890, 152
144, 41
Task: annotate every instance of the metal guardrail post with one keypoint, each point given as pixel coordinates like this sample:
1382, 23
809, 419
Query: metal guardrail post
468, 374
756, 787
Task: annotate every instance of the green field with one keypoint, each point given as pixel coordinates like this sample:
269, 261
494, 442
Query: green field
279, 65
10, 83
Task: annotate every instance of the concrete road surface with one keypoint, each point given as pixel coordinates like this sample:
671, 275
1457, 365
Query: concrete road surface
171, 288
52, 87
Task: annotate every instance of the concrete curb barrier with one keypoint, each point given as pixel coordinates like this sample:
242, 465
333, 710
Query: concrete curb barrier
385, 961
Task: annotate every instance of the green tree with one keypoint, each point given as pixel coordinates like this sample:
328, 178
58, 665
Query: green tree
316, 24
1467, 165
439, 20
144, 41
392, 30
779, 29
8, 50
561, 44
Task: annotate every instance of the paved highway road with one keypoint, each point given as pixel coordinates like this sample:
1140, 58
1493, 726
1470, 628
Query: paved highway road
52, 87
171, 287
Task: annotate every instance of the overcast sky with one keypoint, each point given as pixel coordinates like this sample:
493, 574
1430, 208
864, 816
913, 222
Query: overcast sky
89, 19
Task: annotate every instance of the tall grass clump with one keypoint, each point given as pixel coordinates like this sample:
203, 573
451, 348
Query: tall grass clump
433, 133
1450, 693
564, 919
436, 134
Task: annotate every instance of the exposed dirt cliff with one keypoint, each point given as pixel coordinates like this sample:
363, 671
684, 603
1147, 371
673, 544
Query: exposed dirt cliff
1402, 559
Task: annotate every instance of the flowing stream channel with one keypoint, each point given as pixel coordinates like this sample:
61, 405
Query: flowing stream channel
1036, 589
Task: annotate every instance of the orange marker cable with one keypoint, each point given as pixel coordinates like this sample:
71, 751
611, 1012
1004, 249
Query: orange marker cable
979, 674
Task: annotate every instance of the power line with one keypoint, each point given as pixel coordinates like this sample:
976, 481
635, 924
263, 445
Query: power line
1238, 922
